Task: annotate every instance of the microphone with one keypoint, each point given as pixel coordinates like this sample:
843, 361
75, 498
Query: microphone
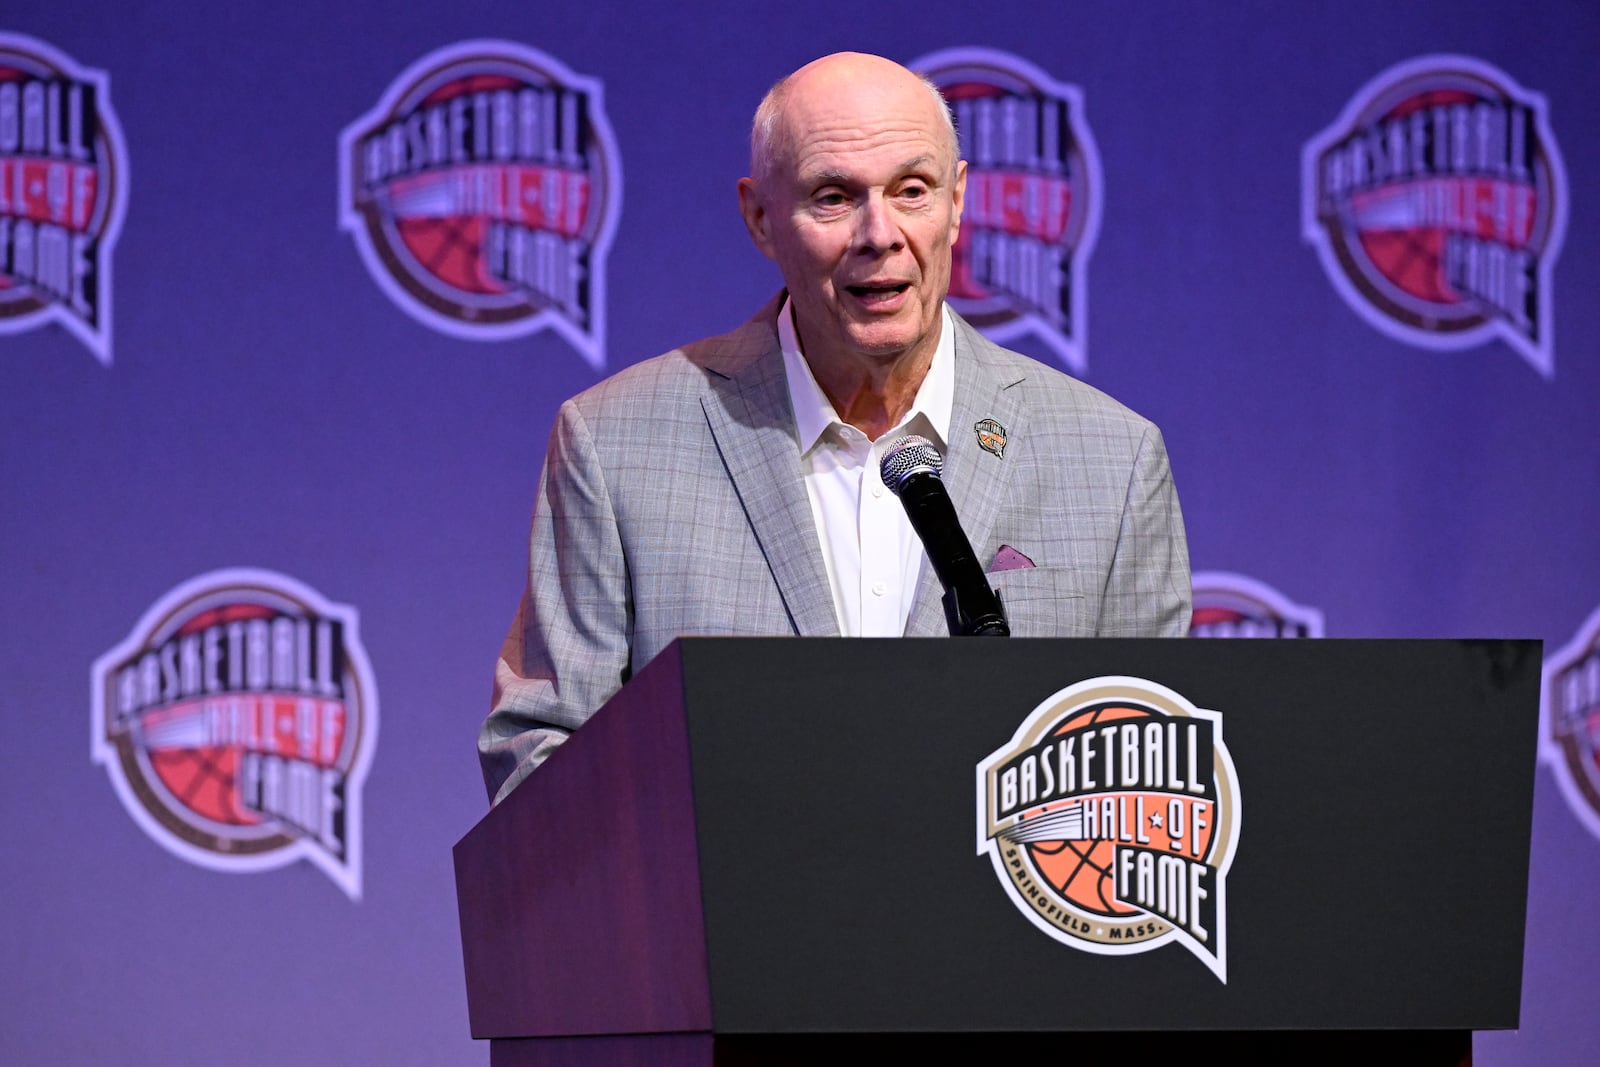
910, 468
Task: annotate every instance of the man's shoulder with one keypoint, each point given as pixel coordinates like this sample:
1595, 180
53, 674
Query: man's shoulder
685, 373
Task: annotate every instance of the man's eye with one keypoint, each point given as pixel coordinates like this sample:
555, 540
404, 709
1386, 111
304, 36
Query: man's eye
914, 192
828, 199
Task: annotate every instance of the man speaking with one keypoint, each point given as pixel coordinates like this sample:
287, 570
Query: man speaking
732, 486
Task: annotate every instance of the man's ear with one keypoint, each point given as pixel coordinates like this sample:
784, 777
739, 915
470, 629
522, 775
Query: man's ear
958, 199
755, 216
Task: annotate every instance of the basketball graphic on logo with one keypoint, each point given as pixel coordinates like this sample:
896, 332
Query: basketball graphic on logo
450, 246
1412, 257
1082, 871
202, 779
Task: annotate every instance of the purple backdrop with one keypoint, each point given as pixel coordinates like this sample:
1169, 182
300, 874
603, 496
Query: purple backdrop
267, 405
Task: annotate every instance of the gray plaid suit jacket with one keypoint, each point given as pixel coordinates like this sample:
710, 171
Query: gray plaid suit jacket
672, 503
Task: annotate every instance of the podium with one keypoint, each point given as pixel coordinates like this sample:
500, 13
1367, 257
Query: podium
770, 850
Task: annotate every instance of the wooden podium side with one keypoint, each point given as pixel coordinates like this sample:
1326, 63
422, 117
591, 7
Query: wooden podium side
580, 892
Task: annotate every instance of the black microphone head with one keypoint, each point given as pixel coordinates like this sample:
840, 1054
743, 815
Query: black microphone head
910, 455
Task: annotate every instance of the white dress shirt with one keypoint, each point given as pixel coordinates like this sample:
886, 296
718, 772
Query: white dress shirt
872, 554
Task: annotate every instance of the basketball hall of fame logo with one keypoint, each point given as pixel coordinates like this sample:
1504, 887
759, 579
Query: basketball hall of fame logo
1111, 818
63, 193
1032, 212
483, 192
1569, 730
1437, 203
237, 723
1234, 605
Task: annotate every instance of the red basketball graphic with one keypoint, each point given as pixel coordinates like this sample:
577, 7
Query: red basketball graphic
450, 248
472, 83
1411, 258
203, 780
1429, 98
1082, 871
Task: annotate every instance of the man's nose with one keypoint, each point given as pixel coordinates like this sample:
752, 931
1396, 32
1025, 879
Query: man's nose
876, 227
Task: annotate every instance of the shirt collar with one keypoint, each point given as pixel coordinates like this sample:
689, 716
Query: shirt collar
814, 413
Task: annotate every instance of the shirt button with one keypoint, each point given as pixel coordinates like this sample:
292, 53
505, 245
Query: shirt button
877, 490
878, 589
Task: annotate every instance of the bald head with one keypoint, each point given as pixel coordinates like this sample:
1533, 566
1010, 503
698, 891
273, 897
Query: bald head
863, 76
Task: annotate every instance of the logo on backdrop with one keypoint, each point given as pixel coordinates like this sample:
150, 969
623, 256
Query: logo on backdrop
1437, 203
1569, 729
1233, 605
237, 722
63, 193
1111, 818
483, 192
1032, 209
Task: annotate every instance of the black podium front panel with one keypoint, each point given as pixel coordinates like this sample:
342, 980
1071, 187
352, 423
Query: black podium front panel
1381, 802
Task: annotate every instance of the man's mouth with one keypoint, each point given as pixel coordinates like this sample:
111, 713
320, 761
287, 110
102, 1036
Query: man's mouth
872, 294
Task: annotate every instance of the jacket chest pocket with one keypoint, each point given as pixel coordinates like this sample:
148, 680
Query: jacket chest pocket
1047, 602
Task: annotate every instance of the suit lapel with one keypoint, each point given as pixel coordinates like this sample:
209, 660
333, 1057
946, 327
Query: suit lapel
977, 480
751, 420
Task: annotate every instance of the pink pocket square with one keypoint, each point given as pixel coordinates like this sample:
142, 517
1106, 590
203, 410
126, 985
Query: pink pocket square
1009, 559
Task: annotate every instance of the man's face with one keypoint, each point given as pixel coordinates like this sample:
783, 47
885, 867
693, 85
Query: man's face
860, 211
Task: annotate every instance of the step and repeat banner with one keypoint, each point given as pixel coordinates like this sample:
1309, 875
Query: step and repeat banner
288, 300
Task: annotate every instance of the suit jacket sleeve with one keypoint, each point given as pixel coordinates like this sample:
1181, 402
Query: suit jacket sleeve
568, 648
1147, 592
